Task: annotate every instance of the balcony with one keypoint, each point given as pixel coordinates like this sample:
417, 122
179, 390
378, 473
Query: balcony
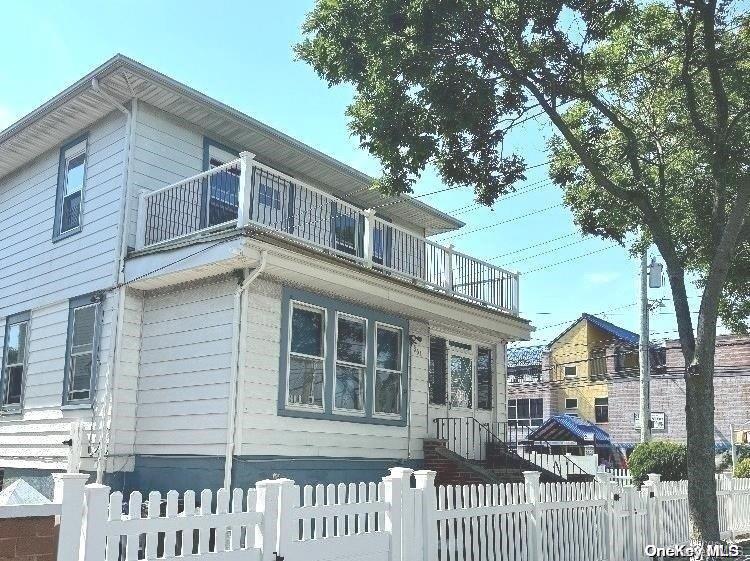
246, 194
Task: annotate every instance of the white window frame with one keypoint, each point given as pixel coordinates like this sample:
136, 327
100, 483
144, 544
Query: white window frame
70, 154
400, 372
10, 321
575, 371
290, 353
336, 361
571, 408
516, 418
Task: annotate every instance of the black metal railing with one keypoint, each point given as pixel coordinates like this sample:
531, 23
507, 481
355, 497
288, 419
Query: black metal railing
466, 436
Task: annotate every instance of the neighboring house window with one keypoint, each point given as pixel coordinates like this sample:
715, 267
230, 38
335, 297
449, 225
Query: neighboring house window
484, 378
269, 196
524, 374
80, 364
436, 375
570, 371
525, 412
601, 409
598, 365
351, 362
388, 372
14, 360
619, 359
70, 186
306, 356
571, 403
341, 362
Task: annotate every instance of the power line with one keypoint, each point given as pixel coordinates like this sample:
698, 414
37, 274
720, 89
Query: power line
515, 218
571, 259
528, 257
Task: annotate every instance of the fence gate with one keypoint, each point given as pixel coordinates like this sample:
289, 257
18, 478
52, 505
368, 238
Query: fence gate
631, 528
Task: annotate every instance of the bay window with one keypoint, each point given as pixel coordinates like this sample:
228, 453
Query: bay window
340, 361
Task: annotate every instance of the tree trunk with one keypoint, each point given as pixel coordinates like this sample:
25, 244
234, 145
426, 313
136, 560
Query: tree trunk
699, 418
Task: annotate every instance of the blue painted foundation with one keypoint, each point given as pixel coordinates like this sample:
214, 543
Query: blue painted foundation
164, 473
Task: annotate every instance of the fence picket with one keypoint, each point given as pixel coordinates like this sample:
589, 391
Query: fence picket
392, 521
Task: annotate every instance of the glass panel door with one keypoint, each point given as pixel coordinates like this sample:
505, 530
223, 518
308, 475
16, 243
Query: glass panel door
223, 188
461, 380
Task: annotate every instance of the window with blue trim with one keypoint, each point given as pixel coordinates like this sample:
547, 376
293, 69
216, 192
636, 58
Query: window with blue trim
341, 361
14, 360
71, 181
81, 360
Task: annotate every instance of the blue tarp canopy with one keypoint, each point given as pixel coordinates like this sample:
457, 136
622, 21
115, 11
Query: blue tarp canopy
566, 428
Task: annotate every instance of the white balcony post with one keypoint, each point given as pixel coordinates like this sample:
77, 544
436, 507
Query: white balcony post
140, 225
448, 268
69, 494
369, 248
246, 188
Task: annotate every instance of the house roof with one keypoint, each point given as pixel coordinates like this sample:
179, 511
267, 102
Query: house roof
21, 493
619, 333
567, 427
525, 356
123, 78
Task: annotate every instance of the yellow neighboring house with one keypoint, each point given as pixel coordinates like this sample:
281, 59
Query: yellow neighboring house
582, 360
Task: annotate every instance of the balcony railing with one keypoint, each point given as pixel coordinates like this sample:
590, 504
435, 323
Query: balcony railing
244, 193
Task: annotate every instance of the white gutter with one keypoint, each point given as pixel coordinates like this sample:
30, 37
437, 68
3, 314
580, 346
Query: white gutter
238, 334
113, 357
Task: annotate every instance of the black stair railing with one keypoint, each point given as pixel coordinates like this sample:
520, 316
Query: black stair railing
466, 437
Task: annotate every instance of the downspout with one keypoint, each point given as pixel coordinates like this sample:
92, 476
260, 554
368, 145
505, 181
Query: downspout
108, 398
238, 333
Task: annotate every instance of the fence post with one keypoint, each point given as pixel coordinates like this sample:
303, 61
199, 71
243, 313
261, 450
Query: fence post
268, 499
397, 486
69, 494
426, 484
653, 484
369, 249
729, 487
140, 224
533, 498
94, 535
605, 488
288, 530
245, 193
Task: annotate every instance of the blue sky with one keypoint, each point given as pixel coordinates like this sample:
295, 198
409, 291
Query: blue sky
241, 54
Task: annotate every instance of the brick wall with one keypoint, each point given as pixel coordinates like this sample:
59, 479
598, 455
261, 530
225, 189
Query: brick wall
731, 403
28, 539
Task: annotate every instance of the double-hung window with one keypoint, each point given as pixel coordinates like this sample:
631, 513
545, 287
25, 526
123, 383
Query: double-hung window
81, 363
307, 356
14, 360
388, 370
484, 378
601, 409
341, 361
70, 187
351, 362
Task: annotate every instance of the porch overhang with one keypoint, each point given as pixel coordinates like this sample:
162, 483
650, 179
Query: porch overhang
297, 266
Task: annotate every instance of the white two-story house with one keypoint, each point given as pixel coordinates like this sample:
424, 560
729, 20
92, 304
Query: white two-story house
190, 298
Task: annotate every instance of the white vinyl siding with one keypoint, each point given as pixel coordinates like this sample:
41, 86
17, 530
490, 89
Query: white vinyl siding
166, 150
37, 271
186, 355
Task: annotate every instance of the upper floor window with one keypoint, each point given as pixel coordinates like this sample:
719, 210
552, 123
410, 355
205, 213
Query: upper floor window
70, 188
525, 412
570, 371
341, 361
601, 409
484, 378
81, 361
14, 360
571, 403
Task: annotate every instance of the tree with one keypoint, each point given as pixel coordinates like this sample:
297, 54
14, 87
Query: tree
651, 109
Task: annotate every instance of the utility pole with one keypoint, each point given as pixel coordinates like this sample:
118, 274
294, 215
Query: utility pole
643, 354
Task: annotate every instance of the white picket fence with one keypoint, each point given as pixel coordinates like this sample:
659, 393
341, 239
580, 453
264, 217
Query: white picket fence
620, 476
387, 521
